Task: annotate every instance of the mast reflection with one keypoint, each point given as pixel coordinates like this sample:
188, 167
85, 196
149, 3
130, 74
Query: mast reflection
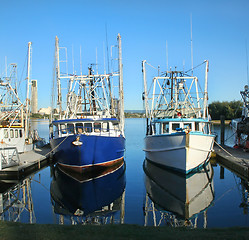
16, 203
95, 197
174, 199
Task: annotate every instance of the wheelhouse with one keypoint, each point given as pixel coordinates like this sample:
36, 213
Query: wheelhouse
103, 127
12, 133
172, 125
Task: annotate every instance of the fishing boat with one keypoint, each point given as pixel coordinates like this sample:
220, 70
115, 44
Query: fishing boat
178, 134
176, 198
240, 126
15, 133
87, 128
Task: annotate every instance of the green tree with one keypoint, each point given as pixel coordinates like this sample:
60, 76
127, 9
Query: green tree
230, 110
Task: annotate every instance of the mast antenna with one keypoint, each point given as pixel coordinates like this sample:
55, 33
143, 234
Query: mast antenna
73, 59
104, 57
97, 61
108, 68
192, 58
28, 86
80, 62
247, 64
121, 90
167, 56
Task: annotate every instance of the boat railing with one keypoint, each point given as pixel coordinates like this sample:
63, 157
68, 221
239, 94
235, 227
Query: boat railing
8, 157
86, 131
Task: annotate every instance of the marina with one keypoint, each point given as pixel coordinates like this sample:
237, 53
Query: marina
223, 193
124, 120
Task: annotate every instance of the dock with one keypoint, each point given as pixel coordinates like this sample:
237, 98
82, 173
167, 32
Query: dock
30, 162
236, 160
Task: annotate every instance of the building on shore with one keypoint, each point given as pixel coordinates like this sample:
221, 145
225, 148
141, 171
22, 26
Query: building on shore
45, 111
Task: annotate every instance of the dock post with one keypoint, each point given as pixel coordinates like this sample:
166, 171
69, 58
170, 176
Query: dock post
1, 157
222, 129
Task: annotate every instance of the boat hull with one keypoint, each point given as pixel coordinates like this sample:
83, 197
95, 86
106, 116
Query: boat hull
183, 152
79, 152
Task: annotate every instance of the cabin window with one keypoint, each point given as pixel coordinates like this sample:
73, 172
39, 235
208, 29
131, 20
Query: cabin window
63, 129
6, 133
105, 127
157, 128
20, 133
165, 127
187, 126
116, 126
206, 128
70, 128
196, 126
88, 127
16, 133
55, 129
79, 128
11, 133
97, 127
175, 126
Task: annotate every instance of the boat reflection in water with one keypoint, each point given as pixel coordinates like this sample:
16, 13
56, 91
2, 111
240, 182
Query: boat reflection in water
94, 197
16, 202
175, 199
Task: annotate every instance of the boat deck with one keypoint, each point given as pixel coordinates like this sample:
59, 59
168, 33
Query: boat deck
236, 160
29, 163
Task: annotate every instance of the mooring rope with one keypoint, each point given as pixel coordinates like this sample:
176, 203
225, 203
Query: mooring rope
52, 150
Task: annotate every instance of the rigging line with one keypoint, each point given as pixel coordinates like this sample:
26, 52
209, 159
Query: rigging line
229, 190
43, 185
195, 67
151, 65
230, 137
237, 185
239, 159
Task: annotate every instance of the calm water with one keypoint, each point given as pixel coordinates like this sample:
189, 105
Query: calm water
127, 194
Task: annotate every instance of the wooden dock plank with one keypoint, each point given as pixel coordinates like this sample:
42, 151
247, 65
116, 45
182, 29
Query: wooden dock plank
235, 160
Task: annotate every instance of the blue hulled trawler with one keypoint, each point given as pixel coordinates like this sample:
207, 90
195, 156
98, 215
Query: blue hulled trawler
90, 131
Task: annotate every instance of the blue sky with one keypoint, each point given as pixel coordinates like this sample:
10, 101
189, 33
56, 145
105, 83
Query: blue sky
220, 32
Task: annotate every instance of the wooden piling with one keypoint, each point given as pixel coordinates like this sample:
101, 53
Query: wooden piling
222, 130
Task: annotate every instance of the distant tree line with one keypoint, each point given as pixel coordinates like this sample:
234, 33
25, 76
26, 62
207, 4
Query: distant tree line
38, 115
230, 110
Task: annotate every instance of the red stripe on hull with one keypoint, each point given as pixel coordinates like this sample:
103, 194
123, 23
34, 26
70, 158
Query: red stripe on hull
89, 168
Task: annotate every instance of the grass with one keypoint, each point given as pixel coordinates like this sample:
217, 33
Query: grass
10, 230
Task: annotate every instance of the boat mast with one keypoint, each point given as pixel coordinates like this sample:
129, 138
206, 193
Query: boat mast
27, 97
57, 72
121, 90
145, 89
205, 92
